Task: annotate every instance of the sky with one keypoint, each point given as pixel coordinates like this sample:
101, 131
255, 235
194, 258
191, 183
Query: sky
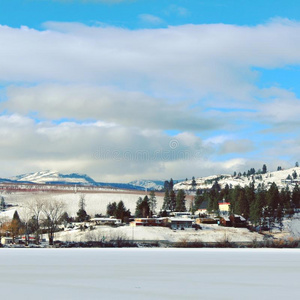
148, 89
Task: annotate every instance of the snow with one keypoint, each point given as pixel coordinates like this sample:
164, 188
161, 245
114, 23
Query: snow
53, 176
149, 274
223, 179
209, 233
96, 203
148, 184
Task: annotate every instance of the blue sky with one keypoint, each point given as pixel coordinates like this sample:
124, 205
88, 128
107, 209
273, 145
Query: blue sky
88, 85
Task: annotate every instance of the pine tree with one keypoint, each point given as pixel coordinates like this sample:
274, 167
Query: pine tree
111, 209
198, 200
264, 169
272, 198
166, 185
121, 211
82, 215
180, 201
167, 201
2, 204
194, 184
296, 196
172, 200
152, 203
171, 185
142, 207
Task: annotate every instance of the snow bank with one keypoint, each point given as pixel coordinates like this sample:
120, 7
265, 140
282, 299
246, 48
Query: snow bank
149, 274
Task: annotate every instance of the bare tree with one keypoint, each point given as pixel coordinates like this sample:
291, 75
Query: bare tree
53, 211
35, 209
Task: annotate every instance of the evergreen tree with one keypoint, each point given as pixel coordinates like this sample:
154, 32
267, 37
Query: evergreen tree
121, 212
152, 203
296, 164
142, 208
172, 200
82, 215
296, 196
213, 203
166, 185
198, 200
2, 204
216, 187
180, 201
272, 198
167, 201
111, 209
279, 168
171, 185
194, 184
295, 175
264, 169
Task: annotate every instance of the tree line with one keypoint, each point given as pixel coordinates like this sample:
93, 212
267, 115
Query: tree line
261, 206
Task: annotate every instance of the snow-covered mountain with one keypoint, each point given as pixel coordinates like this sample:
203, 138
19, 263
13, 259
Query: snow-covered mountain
149, 184
282, 178
53, 177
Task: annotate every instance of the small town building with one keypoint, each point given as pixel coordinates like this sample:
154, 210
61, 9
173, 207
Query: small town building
105, 221
225, 221
181, 214
238, 221
149, 222
7, 240
206, 221
224, 208
180, 223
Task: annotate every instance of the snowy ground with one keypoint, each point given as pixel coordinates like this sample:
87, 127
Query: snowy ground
209, 233
96, 203
149, 274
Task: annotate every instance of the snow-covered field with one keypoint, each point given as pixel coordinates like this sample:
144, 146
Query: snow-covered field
96, 203
149, 274
209, 233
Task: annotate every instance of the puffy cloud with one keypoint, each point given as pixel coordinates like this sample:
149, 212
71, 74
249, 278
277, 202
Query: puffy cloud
123, 88
133, 109
198, 60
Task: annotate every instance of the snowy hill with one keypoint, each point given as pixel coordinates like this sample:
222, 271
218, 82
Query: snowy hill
148, 184
52, 177
279, 177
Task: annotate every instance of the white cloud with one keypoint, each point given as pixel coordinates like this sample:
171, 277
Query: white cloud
199, 60
122, 88
111, 105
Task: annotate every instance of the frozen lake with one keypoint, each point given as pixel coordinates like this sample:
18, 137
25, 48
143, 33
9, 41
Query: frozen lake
149, 273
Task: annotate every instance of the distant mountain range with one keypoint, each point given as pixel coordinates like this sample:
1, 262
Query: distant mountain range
52, 177
282, 178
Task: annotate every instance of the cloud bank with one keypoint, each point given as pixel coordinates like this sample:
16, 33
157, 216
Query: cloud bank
71, 91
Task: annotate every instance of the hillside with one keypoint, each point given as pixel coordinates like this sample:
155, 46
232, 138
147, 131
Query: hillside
52, 177
279, 177
149, 184
56, 178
